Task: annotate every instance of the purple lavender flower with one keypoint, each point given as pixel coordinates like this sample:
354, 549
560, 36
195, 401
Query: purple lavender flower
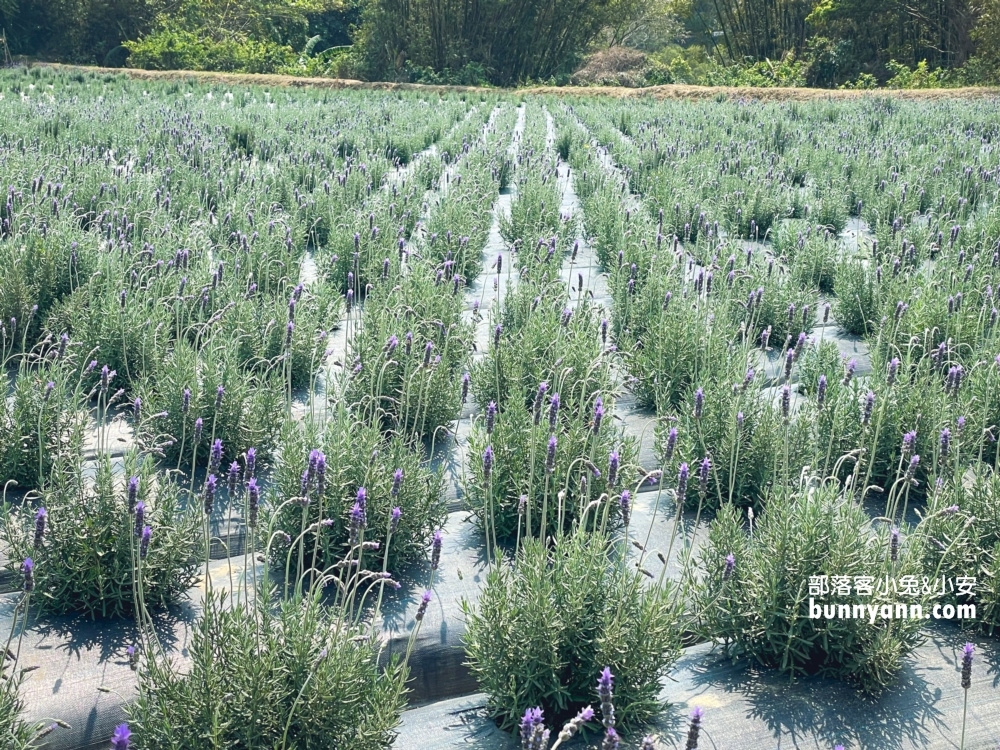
361, 501
764, 337
106, 377
703, 471
550, 455
894, 543
553, 411
147, 534
531, 725
539, 396
893, 370
626, 506
682, 481
598, 414
849, 370
699, 403
694, 729
121, 738
465, 386
253, 502
397, 481
211, 484
186, 401
28, 568
140, 514
394, 519
789, 359
219, 393
613, 461
967, 650
909, 440
866, 412
215, 458
786, 401
289, 330
491, 417
668, 453
912, 468
251, 462
41, 516
198, 426
945, 442
428, 349
497, 333
647, 743
422, 609
740, 419
233, 478
611, 739
727, 572
605, 692
604, 330
487, 463
436, 549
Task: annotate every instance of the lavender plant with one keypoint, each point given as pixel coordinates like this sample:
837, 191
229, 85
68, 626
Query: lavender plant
86, 539
756, 602
554, 617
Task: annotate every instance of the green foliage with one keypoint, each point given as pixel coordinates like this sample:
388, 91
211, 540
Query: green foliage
548, 623
178, 49
761, 611
244, 416
343, 440
262, 675
89, 555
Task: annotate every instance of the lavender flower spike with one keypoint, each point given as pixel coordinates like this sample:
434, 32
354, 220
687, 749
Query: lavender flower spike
694, 729
436, 550
487, 462
573, 725
422, 609
967, 652
41, 515
122, 738
605, 691
613, 461
28, 567
550, 455
598, 414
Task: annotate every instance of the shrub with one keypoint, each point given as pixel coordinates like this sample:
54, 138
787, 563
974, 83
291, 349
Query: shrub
759, 610
87, 558
243, 414
548, 623
356, 455
520, 466
39, 419
406, 360
856, 307
261, 676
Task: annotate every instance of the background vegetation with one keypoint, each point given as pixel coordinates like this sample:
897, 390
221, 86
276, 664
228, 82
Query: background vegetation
822, 43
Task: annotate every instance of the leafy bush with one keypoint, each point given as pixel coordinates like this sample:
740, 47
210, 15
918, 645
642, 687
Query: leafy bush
89, 551
178, 49
243, 414
857, 301
343, 441
760, 609
406, 361
261, 676
550, 621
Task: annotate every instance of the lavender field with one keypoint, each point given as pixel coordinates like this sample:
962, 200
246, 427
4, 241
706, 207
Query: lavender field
366, 419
